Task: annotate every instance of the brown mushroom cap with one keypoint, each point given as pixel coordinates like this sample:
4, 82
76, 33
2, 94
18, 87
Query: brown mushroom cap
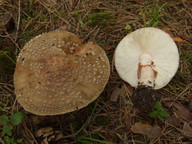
56, 73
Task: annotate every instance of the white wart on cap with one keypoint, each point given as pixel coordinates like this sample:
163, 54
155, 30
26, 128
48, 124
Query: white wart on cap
147, 56
56, 73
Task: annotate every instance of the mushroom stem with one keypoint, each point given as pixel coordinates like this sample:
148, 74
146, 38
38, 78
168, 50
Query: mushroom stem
144, 96
146, 73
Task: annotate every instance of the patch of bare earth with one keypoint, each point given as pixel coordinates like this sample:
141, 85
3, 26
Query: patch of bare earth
111, 117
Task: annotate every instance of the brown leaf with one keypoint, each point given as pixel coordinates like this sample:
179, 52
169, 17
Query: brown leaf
167, 30
185, 37
107, 47
187, 129
178, 39
36, 120
40, 132
146, 129
116, 93
183, 112
173, 121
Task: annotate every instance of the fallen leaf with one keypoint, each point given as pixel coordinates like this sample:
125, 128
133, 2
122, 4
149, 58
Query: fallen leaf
173, 121
185, 37
183, 112
167, 30
187, 129
178, 39
40, 132
116, 93
107, 47
167, 103
146, 129
36, 120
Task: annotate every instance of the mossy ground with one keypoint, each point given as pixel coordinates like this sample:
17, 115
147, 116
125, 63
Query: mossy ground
104, 22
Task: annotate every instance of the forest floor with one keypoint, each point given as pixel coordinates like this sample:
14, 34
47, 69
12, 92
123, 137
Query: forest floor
111, 119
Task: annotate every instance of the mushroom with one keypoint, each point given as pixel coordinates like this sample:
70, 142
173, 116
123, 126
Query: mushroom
147, 59
56, 73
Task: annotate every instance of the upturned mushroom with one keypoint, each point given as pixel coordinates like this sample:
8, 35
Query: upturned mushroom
56, 73
147, 59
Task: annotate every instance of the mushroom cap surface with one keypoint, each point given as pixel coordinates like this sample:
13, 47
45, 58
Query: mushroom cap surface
153, 41
56, 73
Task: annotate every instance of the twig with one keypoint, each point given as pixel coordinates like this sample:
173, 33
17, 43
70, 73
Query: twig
27, 129
19, 19
14, 103
187, 88
85, 124
92, 31
53, 12
12, 40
